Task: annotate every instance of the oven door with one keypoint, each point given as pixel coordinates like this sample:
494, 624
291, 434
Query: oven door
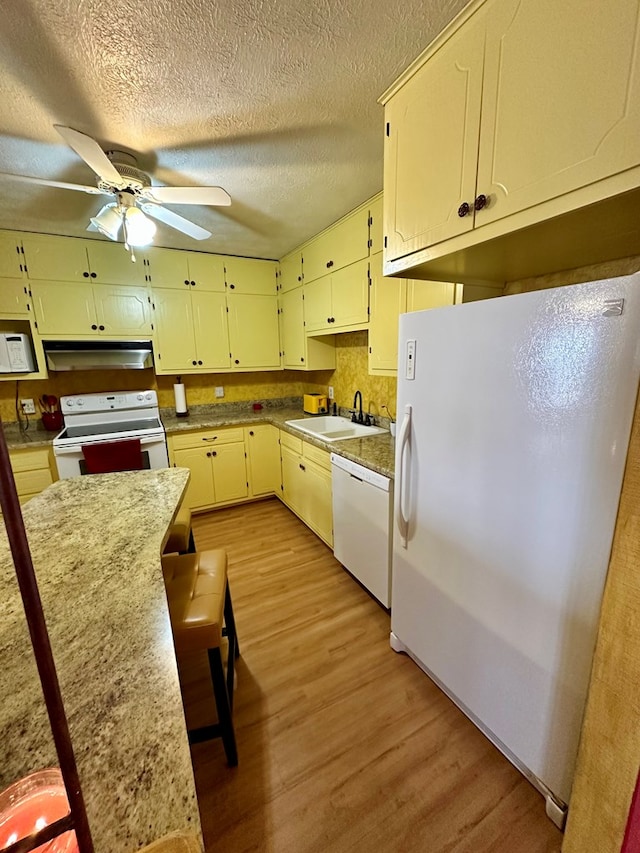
70, 460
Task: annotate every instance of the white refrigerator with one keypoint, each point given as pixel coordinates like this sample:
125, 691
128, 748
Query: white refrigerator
515, 417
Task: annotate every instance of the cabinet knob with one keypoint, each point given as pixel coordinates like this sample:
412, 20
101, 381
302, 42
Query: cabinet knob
194, 363
464, 209
94, 327
329, 264
480, 202
232, 286
85, 274
236, 361
199, 362
301, 466
250, 432
299, 278
301, 358
94, 275
208, 453
101, 328
214, 452
193, 284
186, 281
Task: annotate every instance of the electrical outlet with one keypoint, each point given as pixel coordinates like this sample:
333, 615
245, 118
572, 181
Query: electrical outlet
28, 406
331, 392
219, 391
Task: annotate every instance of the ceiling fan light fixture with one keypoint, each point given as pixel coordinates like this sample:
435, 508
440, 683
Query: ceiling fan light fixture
139, 229
108, 221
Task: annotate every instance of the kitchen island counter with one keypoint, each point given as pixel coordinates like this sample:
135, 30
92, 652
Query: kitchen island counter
96, 544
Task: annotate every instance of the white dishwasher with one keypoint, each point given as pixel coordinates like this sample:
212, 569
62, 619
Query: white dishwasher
363, 525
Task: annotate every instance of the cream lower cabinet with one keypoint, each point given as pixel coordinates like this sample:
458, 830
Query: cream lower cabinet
66, 309
306, 484
191, 334
218, 466
263, 459
33, 469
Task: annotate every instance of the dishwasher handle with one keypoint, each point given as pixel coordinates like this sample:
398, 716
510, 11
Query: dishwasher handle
402, 515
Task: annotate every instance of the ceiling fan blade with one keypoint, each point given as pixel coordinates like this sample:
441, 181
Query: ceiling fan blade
188, 195
89, 150
175, 221
25, 179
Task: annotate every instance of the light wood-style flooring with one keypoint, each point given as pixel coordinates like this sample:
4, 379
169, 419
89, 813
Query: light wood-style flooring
344, 745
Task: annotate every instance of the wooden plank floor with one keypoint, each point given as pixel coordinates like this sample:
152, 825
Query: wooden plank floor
343, 744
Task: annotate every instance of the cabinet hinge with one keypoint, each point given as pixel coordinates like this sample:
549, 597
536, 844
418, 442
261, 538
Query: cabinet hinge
281, 487
385, 242
36, 324
227, 309
152, 327
159, 356
21, 250
370, 221
370, 350
368, 311
388, 129
245, 455
369, 243
304, 322
149, 300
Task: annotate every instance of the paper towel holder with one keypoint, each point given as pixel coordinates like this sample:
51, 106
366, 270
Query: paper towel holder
180, 398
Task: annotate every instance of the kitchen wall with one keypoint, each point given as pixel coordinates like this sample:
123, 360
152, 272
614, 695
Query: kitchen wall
609, 754
350, 375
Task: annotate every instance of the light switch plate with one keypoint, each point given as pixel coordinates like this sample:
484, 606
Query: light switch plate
28, 406
331, 392
219, 391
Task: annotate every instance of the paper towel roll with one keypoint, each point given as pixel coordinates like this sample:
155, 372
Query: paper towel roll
181, 400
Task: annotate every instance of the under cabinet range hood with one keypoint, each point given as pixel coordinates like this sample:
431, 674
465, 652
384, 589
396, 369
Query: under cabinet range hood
98, 355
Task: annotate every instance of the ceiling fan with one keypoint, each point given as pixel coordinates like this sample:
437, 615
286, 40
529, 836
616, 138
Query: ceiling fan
118, 175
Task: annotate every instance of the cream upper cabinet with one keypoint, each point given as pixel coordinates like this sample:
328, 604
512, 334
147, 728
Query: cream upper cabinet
254, 335
339, 246
376, 229
291, 271
388, 300
250, 275
422, 295
521, 111
73, 309
299, 351
431, 147
563, 115
11, 255
173, 268
338, 301
14, 296
191, 331
52, 258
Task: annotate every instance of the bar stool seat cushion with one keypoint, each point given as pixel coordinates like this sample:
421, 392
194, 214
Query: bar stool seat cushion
196, 586
180, 533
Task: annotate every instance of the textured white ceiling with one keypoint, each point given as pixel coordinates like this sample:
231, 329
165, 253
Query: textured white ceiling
274, 100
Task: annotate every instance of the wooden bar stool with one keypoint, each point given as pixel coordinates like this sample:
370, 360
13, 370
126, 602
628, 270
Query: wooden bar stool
199, 604
180, 539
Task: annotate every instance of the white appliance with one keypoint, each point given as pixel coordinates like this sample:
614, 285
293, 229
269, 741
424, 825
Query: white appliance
516, 414
96, 418
16, 355
363, 524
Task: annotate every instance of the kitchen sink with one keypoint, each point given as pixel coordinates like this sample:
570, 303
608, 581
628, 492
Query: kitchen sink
332, 428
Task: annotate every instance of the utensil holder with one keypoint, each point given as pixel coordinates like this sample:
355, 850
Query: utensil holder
52, 421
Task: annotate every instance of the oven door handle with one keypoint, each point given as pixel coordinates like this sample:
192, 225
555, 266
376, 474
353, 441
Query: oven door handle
69, 449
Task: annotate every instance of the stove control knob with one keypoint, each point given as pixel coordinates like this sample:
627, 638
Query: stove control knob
80, 402
149, 396
70, 403
140, 397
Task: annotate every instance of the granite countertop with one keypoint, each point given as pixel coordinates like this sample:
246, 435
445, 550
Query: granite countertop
377, 452
96, 544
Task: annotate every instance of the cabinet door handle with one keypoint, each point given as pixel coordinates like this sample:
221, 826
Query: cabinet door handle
94, 327
193, 284
101, 328
186, 281
480, 202
301, 466
237, 361
250, 432
199, 362
210, 439
85, 274
194, 363
329, 264
94, 275
464, 209
232, 286
208, 453
302, 358
214, 452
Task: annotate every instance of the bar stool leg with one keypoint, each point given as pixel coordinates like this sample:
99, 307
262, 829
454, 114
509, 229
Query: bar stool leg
223, 706
230, 621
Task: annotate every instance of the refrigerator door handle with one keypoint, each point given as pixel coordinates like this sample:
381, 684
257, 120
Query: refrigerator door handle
402, 517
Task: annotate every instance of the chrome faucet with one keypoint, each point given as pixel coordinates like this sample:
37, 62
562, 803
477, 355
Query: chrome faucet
357, 419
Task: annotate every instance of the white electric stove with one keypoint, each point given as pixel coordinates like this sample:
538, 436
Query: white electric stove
96, 418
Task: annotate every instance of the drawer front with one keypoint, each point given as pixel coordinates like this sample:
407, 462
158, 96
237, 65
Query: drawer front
317, 455
202, 438
29, 460
33, 482
290, 441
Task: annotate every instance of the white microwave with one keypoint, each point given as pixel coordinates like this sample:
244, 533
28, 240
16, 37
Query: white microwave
16, 354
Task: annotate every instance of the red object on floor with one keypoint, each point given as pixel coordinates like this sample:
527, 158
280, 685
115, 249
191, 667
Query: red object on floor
631, 843
110, 456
